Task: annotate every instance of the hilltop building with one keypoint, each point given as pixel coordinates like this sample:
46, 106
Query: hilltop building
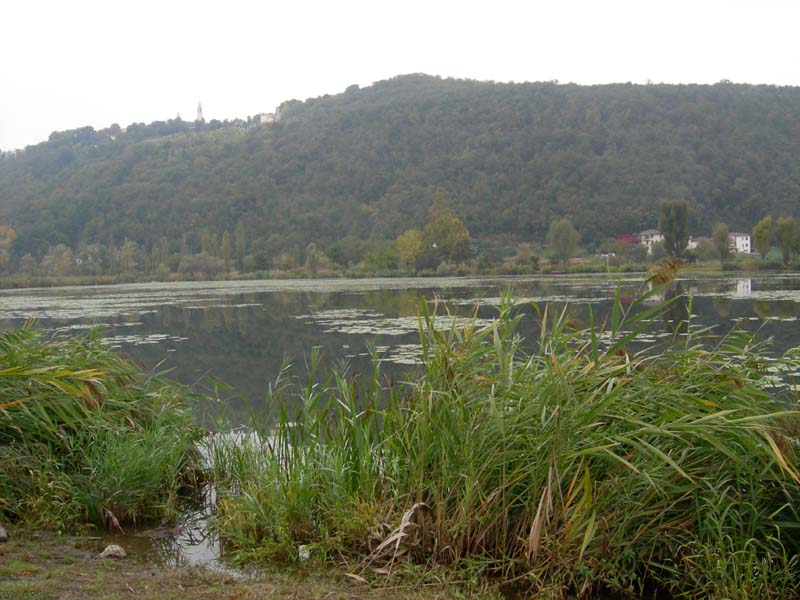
264, 118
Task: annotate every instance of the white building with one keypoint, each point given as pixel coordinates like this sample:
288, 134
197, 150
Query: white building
264, 118
740, 242
650, 237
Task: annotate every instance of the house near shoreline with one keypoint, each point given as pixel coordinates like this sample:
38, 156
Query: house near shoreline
740, 242
649, 237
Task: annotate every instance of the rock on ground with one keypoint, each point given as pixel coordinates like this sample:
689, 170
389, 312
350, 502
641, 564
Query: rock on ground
113, 551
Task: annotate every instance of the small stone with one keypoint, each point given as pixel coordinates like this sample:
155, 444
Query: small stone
113, 551
303, 553
3, 535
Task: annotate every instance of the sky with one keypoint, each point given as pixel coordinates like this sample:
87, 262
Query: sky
68, 64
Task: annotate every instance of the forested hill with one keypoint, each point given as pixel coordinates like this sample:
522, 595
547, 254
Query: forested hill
365, 162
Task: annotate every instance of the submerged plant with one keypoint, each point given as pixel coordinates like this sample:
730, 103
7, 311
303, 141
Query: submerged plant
582, 464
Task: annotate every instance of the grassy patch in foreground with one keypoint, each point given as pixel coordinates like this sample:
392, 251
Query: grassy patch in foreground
66, 568
86, 436
582, 466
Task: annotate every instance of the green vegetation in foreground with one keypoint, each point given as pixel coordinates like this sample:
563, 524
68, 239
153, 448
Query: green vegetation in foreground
86, 436
581, 467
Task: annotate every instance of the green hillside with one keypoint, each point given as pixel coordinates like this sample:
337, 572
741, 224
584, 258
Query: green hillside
364, 163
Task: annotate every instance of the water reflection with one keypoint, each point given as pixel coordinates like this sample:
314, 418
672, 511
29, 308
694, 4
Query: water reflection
722, 305
744, 287
242, 333
677, 315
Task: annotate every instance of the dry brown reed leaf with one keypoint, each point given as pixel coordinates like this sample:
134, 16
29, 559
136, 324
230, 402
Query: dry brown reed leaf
407, 535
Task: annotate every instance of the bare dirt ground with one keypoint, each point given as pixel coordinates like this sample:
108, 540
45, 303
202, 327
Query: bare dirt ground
41, 566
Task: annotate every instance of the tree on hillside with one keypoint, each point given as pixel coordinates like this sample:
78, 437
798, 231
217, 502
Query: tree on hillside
446, 237
163, 248
127, 256
6, 237
59, 261
410, 247
721, 238
672, 225
225, 249
347, 251
239, 243
312, 259
761, 232
563, 239
538, 152
787, 232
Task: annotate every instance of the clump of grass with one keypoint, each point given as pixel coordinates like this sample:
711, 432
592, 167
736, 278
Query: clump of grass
578, 466
87, 436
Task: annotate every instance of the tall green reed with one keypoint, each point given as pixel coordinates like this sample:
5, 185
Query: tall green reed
86, 435
581, 464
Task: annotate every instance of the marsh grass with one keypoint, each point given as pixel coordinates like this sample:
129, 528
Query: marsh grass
86, 436
581, 465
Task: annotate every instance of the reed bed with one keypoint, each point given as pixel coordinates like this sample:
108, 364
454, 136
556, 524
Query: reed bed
578, 467
86, 436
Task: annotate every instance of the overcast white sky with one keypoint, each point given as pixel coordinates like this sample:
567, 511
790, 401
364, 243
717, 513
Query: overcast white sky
67, 64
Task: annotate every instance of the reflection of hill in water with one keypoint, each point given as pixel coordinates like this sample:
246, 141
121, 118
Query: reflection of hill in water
242, 333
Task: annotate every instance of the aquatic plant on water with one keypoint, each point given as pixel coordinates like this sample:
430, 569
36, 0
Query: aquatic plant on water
581, 465
85, 435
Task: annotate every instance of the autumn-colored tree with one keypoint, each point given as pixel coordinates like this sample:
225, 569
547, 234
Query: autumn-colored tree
58, 262
410, 247
127, 256
445, 235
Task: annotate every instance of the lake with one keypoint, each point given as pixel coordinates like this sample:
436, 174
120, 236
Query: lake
241, 333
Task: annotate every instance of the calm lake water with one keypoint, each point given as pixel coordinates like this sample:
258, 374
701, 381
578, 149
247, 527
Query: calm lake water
242, 333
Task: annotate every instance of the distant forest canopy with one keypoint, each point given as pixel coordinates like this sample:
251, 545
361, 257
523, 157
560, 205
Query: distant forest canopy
364, 165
